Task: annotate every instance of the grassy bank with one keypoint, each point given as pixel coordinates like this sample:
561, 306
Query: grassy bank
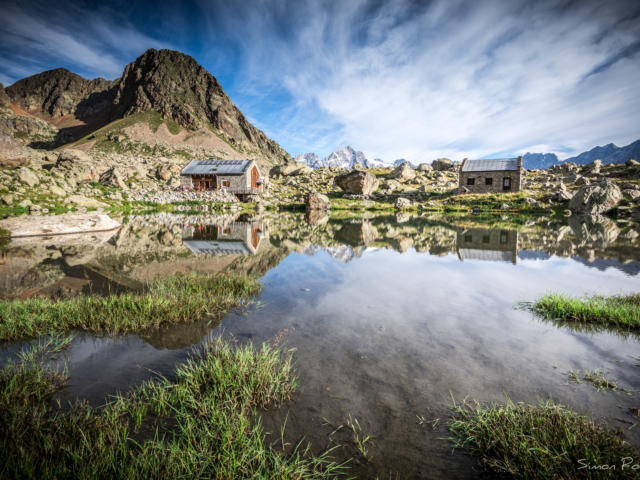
165, 301
546, 441
203, 424
617, 311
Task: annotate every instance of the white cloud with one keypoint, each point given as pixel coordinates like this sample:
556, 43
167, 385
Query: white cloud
96, 43
456, 79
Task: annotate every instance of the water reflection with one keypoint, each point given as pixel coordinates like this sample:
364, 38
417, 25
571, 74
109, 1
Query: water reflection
163, 244
223, 237
485, 244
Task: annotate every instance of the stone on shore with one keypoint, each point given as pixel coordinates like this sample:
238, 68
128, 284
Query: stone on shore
43, 225
357, 182
317, 201
596, 199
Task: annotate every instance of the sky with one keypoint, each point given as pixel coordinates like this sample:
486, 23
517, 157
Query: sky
396, 79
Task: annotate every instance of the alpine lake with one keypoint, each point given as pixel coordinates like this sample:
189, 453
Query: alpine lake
393, 319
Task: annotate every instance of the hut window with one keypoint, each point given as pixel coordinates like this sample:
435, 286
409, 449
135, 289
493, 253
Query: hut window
226, 183
471, 181
485, 239
504, 237
468, 238
488, 181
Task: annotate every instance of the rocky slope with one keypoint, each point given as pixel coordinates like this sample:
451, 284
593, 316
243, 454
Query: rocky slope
187, 99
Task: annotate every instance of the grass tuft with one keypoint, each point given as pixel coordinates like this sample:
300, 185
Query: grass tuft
166, 301
546, 441
204, 424
615, 311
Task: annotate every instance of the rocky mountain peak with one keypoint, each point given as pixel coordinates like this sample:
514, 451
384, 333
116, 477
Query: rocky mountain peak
55, 93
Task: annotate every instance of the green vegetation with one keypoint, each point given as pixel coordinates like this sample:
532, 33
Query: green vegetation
165, 301
545, 441
203, 424
617, 311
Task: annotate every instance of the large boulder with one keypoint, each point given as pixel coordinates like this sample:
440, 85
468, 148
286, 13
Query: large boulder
357, 182
112, 178
317, 201
593, 167
403, 172
75, 166
163, 173
424, 167
27, 176
12, 152
595, 199
401, 203
442, 164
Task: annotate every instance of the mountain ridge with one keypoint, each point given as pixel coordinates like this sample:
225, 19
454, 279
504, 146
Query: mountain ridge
165, 81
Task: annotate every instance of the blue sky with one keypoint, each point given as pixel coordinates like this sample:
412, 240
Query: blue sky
395, 79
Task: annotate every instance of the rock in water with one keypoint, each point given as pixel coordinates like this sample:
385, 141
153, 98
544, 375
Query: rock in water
317, 201
357, 182
403, 172
442, 164
595, 199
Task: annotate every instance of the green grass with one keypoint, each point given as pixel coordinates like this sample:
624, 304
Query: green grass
166, 301
616, 311
202, 424
545, 441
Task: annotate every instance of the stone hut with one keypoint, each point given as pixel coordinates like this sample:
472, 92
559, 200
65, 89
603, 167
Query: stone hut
240, 177
502, 175
487, 244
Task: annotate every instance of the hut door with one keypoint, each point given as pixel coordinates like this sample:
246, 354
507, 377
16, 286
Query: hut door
254, 177
506, 184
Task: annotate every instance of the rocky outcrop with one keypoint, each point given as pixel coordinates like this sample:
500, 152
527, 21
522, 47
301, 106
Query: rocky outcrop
403, 172
59, 92
442, 164
424, 167
357, 182
317, 201
75, 166
401, 203
112, 178
5, 102
596, 199
27, 176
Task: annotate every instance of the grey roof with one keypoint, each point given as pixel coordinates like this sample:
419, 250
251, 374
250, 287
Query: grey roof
488, 255
213, 247
216, 167
488, 165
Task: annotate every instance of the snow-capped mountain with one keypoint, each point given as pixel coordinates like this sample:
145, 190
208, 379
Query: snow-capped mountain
401, 161
345, 157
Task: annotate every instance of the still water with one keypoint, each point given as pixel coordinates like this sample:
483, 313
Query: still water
392, 318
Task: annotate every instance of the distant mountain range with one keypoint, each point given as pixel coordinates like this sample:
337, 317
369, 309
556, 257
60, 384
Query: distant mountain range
347, 157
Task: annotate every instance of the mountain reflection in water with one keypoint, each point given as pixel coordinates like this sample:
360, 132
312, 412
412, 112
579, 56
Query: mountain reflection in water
162, 244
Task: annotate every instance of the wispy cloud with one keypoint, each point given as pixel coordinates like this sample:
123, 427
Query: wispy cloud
35, 36
450, 79
399, 78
